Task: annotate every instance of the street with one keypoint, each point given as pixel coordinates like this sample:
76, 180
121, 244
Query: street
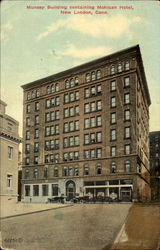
82, 226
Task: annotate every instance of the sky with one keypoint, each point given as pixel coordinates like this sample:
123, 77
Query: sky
36, 43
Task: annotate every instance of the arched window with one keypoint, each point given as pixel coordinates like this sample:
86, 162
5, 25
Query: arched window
88, 77
33, 95
56, 87
86, 169
127, 166
98, 74
76, 81
48, 90
113, 167
28, 96
37, 93
127, 66
35, 173
67, 84
52, 88
72, 82
119, 67
93, 76
112, 69
98, 169
55, 172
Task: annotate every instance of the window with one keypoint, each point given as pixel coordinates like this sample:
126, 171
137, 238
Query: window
93, 106
98, 152
55, 172
76, 171
72, 83
28, 108
86, 123
35, 190
86, 154
37, 93
113, 118
98, 74
127, 115
28, 96
126, 98
36, 147
27, 161
88, 77
36, 133
99, 136
36, 119
27, 190
113, 135
99, 105
119, 67
86, 169
93, 90
126, 81
37, 106
98, 169
48, 90
10, 153
113, 151
127, 132
26, 174
45, 173
33, 94
28, 121
35, 173
56, 87
126, 66
127, 166
127, 149
113, 102
9, 180
86, 108
76, 81
70, 171
93, 122
67, 84
65, 171
86, 139
45, 190
113, 167
36, 159
48, 103
99, 121
54, 189
113, 85
93, 76
112, 69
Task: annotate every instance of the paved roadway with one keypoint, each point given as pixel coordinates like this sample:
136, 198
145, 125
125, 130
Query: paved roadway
79, 227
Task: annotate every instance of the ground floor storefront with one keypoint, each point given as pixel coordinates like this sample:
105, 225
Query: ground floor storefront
78, 188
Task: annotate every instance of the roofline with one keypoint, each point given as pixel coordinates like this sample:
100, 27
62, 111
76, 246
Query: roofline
62, 74
76, 68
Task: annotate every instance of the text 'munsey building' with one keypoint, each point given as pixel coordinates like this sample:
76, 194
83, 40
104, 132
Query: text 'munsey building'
86, 131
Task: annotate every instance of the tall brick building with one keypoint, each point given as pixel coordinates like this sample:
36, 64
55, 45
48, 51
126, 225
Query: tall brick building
155, 164
86, 131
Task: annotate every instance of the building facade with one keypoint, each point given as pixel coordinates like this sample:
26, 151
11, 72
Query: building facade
86, 131
155, 164
9, 150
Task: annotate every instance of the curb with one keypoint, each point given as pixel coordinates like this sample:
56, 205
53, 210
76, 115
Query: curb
39, 211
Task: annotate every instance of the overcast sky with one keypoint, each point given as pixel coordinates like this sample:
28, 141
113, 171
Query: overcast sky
37, 43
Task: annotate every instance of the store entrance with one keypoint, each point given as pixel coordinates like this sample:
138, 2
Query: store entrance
70, 190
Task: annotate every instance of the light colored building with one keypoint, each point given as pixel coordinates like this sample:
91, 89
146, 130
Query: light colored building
86, 131
9, 151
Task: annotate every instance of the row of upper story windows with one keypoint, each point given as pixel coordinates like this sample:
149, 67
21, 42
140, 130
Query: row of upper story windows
73, 170
74, 155
74, 81
75, 96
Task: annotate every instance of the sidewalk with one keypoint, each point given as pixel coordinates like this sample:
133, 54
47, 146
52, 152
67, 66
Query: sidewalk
27, 208
141, 230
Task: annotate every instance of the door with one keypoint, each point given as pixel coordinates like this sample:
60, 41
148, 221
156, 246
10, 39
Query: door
70, 190
126, 194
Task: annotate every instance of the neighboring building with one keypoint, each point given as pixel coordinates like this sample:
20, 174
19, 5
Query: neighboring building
9, 149
155, 164
86, 131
